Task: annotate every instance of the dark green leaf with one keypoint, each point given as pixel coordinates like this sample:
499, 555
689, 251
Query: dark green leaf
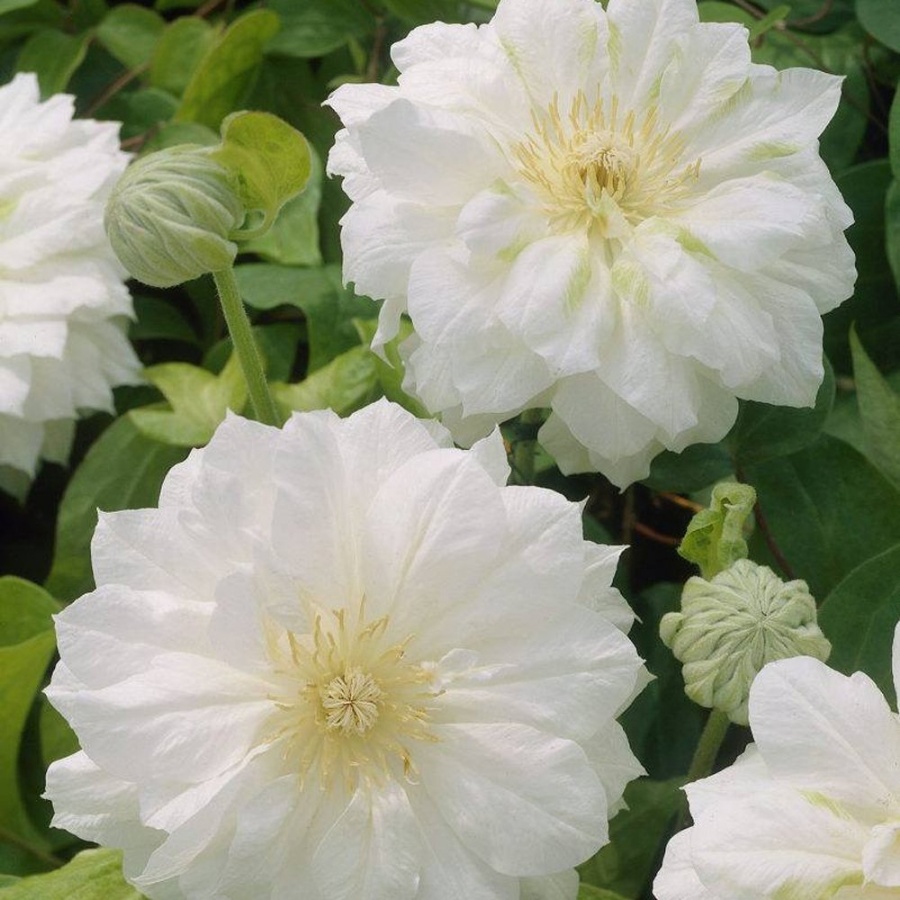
764, 432
879, 408
626, 863
54, 57
828, 508
57, 738
27, 642
881, 18
695, 468
158, 319
316, 27
589, 892
130, 32
179, 51
122, 470
859, 616
329, 307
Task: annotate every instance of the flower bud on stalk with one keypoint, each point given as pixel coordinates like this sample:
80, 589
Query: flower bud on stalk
730, 626
171, 214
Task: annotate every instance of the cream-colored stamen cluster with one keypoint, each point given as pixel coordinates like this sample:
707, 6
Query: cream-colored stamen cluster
353, 705
599, 168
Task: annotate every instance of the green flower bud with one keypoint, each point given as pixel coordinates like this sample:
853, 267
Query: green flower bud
171, 215
731, 626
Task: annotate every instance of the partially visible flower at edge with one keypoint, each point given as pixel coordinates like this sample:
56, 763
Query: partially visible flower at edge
614, 214
63, 301
341, 661
812, 809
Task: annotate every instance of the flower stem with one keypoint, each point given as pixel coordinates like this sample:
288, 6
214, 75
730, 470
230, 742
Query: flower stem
709, 744
261, 401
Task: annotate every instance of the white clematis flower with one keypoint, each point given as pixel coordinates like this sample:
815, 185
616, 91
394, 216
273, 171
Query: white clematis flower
342, 661
812, 810
63, 301
612, 214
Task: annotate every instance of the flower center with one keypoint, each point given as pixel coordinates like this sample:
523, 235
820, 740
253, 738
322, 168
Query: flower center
602, 170
351, 704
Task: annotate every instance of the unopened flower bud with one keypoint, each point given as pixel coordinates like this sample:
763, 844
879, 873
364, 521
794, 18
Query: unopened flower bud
171, 215
731, 626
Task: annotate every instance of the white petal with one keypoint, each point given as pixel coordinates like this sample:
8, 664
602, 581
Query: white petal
481, 777
824, 732
372, 851
677, 879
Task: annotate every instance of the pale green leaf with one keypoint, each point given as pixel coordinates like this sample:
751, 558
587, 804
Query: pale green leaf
198, 401
715, 537
270, 161
130, 33
346, 384
293, 240
92, 875
122, 470
227, 70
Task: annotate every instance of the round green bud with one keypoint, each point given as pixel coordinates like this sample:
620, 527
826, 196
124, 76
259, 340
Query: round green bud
731, 626
170, 217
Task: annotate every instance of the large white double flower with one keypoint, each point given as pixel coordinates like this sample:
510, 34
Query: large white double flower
63, 301
812, 810
342, 661
612, 214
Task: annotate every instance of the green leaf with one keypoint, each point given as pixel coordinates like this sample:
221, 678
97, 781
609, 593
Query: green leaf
764, 432
346, 384
27, 642
178, 53
881, 18
874, 301
695, 468
270, 161
419, 12
589, 892
54, 57
316, 27
293, 240
892, 226
715, 537
879, 408
828, 509
10, 5
130, 33
57, 738
626, 864
859, 616
227, 70
198, 401
391, 369
122, 470
92, 875
330, 308
157, 319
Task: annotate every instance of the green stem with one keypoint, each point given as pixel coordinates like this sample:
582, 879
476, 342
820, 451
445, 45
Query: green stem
708, 746
261, 401
8, 837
